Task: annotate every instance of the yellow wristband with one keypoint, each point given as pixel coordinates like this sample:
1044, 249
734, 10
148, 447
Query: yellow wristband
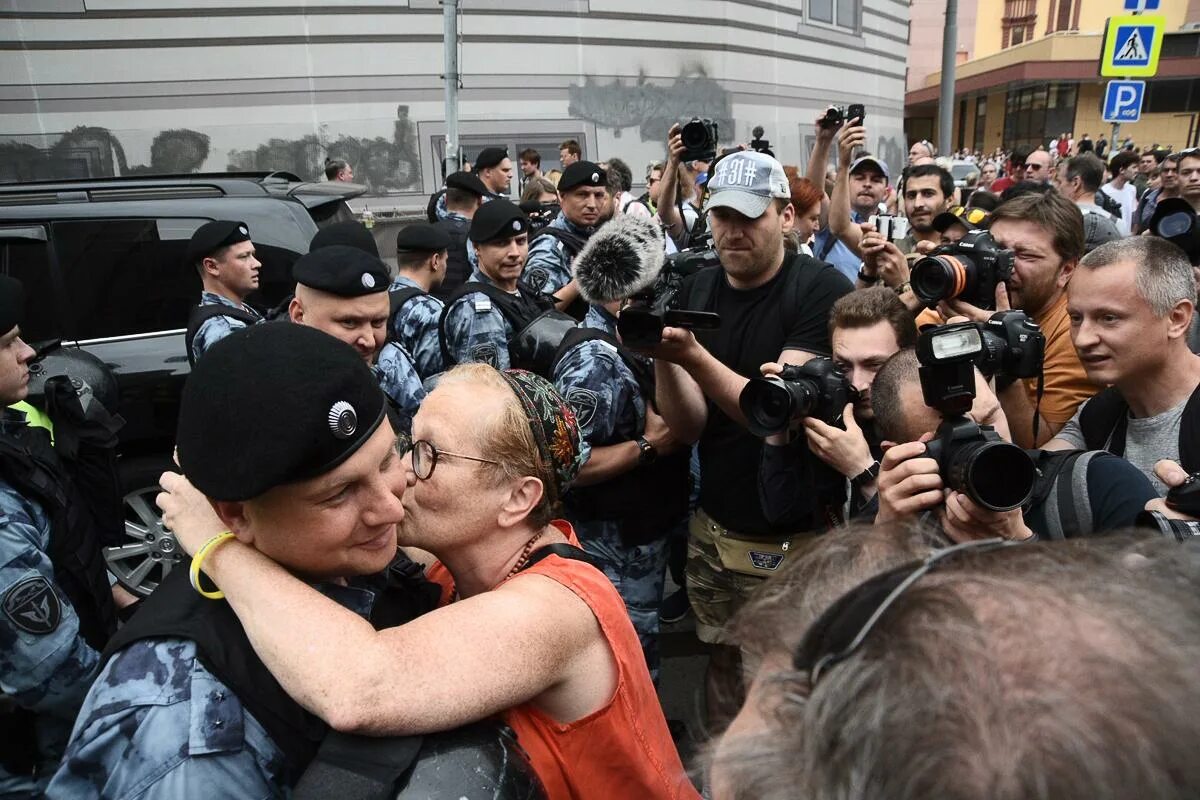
198, 559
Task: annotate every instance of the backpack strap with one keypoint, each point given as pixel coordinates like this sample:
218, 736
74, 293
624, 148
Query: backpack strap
1063, 486
830, 242
202, 314
397, 298
562, 550
571, 241
1103, 422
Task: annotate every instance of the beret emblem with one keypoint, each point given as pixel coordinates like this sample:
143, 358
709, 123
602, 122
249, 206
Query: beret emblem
342, 419
516, 224
595, 176
368, 280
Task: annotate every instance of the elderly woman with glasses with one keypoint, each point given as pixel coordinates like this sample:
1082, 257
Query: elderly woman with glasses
527, 629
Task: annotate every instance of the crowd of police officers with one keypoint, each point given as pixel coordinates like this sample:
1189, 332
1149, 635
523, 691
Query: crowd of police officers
478, 285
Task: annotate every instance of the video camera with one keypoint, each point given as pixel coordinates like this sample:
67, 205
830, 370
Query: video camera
968, 270
641, 323
540, 214
700, 140
816, 388
1175, 220
972, 458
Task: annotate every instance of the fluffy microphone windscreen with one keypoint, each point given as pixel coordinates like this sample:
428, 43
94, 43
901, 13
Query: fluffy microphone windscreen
623, 257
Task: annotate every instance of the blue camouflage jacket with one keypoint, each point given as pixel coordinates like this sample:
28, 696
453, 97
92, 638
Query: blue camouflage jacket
157, 725
216, 328
548, 267
416, 328
476, 330
398, 377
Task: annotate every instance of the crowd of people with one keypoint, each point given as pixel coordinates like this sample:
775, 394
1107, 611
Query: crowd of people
918, 455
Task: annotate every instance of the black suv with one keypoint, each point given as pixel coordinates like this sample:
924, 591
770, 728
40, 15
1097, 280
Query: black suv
102, 261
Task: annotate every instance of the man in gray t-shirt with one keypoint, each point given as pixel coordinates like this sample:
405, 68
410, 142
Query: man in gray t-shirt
1147, 440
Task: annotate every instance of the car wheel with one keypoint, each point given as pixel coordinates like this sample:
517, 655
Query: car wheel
150, 551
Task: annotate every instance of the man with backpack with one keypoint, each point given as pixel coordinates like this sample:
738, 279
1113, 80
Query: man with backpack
421, 256
1078, 493
224, 256
1131, 304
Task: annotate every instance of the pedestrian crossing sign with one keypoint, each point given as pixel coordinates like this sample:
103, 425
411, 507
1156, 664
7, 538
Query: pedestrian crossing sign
1131, 46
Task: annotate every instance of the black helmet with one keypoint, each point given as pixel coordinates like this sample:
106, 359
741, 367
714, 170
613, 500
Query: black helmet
83, 368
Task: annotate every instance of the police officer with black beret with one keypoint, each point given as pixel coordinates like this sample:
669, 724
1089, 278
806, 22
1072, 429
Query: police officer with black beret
451, 210
421, 257
483, 314
223, 254
343, 291
495, 169
586, 204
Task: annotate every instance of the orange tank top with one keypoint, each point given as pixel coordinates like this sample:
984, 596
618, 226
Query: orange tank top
623, 750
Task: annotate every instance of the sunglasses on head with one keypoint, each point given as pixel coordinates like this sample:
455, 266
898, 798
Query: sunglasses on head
841, 630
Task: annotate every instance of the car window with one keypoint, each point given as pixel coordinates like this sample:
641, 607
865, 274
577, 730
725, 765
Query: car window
126, 276
961, 171
28, 261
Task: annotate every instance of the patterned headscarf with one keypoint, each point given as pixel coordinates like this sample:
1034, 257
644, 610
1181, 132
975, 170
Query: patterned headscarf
552, 422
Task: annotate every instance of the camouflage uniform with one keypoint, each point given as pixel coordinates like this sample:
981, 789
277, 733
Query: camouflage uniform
416, 327
399, 379
476, 330
45, 664
157, 724
217, 328
548, 267
610, 408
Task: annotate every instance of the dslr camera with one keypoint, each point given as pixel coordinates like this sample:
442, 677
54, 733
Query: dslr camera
972, 458
540, 214
968, 270
816, 388
641, 322
1184, 498
699, 140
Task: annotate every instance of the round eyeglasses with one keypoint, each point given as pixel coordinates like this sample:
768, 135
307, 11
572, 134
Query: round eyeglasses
425, 456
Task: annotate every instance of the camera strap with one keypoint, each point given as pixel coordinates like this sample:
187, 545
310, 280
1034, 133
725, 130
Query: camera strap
1037, 405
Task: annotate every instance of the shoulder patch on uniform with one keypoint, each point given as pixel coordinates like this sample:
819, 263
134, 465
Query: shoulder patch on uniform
583, 402
33, 606
484, 353
537, 277
482, 304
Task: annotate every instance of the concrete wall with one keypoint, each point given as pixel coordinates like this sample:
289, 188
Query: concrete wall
148, 85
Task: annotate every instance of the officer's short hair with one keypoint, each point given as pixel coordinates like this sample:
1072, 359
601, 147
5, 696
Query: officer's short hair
460, 198
333, 166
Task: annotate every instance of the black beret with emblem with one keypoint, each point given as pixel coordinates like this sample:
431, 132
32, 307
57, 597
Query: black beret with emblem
342, 270
421, 237
467, 182
12, 303
490, 157
212, 236
497, 219
582, 173
274, 404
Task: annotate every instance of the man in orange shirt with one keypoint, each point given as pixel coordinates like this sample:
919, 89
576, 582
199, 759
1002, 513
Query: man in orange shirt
1045, 233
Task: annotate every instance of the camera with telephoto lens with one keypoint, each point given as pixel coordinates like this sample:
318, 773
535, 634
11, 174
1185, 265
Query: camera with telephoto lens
972, 458
1184, 498
968, 270
699, 140
641, 322
816, 388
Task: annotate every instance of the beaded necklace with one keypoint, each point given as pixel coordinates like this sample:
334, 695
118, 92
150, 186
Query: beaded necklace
526, 552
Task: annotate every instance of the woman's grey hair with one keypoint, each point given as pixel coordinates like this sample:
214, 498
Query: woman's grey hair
1062, 670
1164, 275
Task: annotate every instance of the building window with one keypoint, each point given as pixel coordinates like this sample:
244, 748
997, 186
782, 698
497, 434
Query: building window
980, 122
1066, 13
1034, 114
839, 13
1017, 23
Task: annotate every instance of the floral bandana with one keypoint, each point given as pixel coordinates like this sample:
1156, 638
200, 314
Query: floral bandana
552, 422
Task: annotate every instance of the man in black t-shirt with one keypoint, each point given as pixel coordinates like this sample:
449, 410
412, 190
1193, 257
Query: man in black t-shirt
774, 307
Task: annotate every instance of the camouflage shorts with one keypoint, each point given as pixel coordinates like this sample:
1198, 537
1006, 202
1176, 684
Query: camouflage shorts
715, 592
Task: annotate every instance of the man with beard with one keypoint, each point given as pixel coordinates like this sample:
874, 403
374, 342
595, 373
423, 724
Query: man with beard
928, 191
224, 256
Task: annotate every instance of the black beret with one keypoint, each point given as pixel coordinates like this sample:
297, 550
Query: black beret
305, 400
12, 303
490, 157
422, 237
467, 182
582, 173
350, 233
341, 270
497, 219
212, 236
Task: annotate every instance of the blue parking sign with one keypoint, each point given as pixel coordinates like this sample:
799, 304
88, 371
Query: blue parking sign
1123, 101
1141, 5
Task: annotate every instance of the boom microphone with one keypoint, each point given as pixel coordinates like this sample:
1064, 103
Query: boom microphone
621, 259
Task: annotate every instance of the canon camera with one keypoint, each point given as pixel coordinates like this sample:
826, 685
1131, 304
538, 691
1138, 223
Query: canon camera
968, 270
816, 388
972, 458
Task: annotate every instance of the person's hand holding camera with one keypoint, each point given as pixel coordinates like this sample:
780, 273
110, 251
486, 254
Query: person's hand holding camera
964, 520
909, 482
675, 146
1172, 475
952, 308
849, 139
824, 130
883, 259
846, 450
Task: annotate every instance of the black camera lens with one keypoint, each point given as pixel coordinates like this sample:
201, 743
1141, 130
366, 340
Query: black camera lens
694, 135
942, 277
995, 474
770, 404
1176, 224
